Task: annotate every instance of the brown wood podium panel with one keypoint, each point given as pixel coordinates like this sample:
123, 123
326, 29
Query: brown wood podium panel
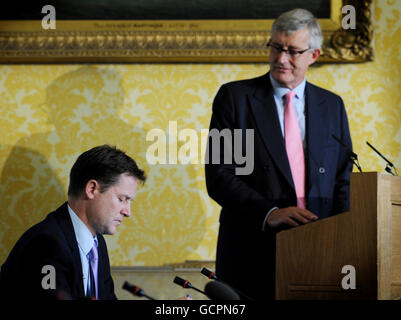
310, 258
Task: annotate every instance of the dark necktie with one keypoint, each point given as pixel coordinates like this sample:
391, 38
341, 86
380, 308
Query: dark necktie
93, 266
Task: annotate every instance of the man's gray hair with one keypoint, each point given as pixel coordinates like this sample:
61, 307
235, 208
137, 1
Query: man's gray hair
297, 19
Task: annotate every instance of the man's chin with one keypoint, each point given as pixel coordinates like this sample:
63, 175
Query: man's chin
283, 78
110, 231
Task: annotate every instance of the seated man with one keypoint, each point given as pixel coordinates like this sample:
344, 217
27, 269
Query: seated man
68, 244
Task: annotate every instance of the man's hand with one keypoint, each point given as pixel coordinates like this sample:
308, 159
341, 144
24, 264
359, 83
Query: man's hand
292, 216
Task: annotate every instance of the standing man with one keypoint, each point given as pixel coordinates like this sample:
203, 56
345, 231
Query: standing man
68, 244
300, 172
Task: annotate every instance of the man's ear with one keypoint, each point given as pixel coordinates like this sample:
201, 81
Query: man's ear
315, 55
91, 188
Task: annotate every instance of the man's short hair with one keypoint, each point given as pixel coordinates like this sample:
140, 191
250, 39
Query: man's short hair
297, 19
104, 164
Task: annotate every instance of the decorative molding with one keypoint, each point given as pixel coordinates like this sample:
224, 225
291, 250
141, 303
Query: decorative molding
353, 45
188, 265
174, 41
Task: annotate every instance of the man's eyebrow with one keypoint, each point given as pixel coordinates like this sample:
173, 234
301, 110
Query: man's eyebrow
289, 47
127, 197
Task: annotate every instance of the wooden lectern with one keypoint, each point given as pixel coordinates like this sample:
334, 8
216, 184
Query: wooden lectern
310, 258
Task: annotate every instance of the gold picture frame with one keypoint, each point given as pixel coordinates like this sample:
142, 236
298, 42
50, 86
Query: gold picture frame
149, 41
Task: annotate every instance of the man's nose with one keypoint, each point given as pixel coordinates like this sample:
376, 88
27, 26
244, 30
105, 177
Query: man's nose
126, 210
282, 57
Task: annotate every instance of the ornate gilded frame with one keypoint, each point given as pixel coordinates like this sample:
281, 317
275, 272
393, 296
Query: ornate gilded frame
175, 41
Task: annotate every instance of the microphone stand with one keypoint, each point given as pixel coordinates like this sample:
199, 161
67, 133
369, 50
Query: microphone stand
356, 162
211, 275
186, 284
352, 155
135, 290
389, 165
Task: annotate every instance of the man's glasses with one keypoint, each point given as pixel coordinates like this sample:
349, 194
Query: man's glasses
291, 52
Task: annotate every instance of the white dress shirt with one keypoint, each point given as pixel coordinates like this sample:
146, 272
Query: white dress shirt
298, 104
85, 243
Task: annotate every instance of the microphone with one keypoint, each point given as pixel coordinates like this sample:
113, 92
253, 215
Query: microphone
216, 290
209, 274
353, 155
388, 165
212, 275
186, 284
135, 290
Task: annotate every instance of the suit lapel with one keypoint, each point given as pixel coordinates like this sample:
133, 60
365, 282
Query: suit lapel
68, 229
265, 113
316, 128
101, 266
266, 119
106, 284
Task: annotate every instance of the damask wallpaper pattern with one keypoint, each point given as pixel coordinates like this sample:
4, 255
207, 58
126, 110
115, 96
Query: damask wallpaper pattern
49, 114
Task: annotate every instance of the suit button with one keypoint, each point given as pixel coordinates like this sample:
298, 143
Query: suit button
322, 170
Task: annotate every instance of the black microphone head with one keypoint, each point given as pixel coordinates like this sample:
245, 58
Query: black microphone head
388, 169
182, 282
209, 274
216, 290
135, 290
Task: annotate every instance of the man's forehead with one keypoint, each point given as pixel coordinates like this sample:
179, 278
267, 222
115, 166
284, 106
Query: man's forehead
126, 183
127, 192
298, 36
126, 178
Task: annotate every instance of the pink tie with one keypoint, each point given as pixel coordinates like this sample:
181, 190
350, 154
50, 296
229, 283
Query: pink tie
295, 150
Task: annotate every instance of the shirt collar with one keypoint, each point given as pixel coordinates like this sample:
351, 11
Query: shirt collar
280, 91
83, 235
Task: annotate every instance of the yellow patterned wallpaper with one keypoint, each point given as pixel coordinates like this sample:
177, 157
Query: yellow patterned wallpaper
49, 114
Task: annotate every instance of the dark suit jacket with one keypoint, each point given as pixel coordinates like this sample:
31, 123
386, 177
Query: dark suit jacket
246, 199
52, 242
